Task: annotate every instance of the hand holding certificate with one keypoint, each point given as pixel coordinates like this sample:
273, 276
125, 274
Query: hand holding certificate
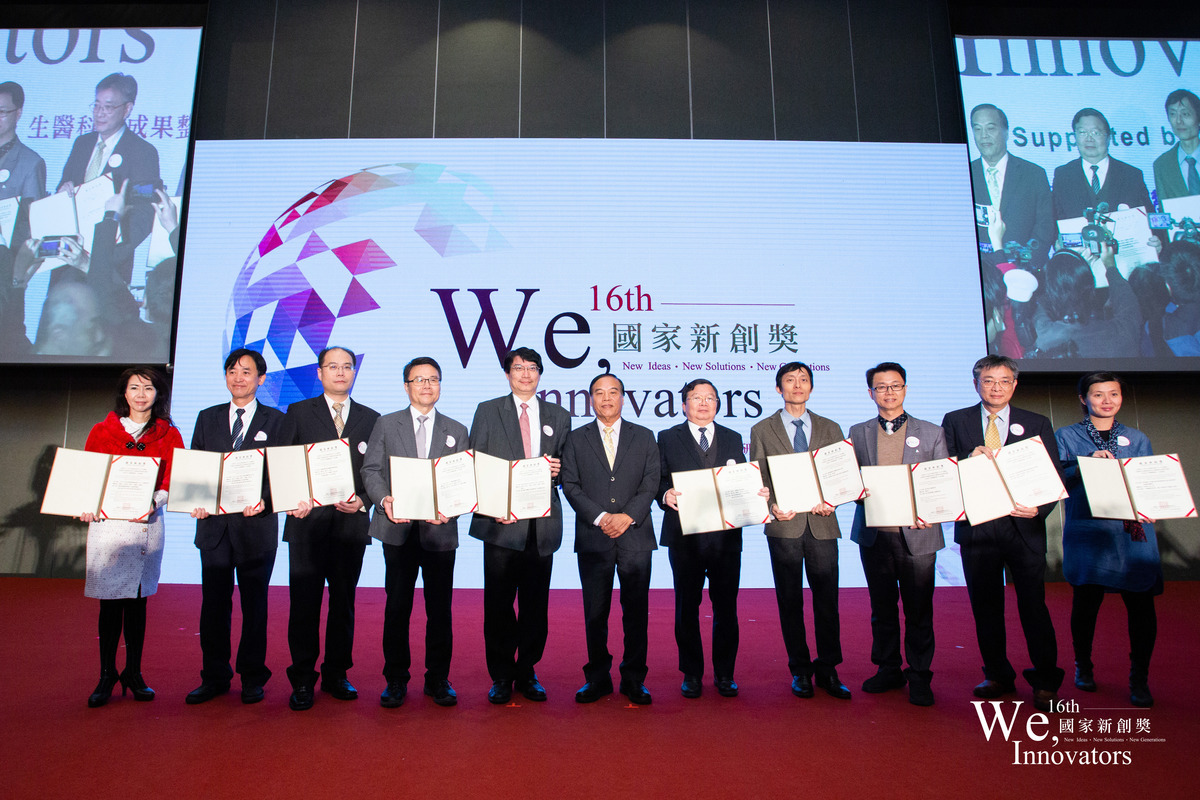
217, 483
513, 490
319, 473
1144, 488
828, 475
720, 498
109, 487
428, 488
1020, 474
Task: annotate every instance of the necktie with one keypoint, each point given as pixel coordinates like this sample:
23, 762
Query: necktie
526, 438
799, 441
1193, 180
338, 422
238, 431
993, 183
991, 434
421, 449
96, 165
609, 449
1095, 179
703, 441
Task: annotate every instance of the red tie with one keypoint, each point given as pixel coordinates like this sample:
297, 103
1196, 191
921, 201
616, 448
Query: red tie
526, 439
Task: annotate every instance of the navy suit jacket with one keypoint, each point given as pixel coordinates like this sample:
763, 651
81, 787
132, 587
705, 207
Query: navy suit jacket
1025, 204
678, 453
1073, 192
593, 488
964, 432
307, 422
248, 535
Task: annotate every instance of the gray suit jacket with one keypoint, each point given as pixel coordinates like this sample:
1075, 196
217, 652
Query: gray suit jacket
769, 438
931, 445
496, 431
26, 174
1169, 181
393, 435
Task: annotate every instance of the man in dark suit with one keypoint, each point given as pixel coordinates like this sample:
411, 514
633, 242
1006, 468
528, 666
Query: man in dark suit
326, 543
1095, 177
802, 540
518, 554
610, 472
112, 149
1017, 541
240, 543
413, 545
898, 562
1176, 173
1015, 188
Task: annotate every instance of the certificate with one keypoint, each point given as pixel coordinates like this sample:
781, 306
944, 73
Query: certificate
738, 487
1104, 484
1131, 228
889, 501
129, 488
241, 480
8, 220
519, 489
491, 484
454, 483
1143, 488
412, 488
837, 472
287, 470
76, 482
698, 501
330, 473
195, 481
984, 495
1030, 475
794, 481
936, 491
62, 214
90, 199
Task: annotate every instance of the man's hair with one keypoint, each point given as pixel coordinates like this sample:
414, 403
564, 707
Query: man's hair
1177, 96
886, 366
988, 362
989, 107
592, 385
347, 350
525, 354
260, 363
1090, 112
122, 84
691, 385
419, 362
14, 91
791, 366
1179, 265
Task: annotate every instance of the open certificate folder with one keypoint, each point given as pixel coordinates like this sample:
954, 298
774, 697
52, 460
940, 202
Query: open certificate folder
111, 487
513, 489
720, 498
319, 473
64, 214
905, 495
802, 481
220, 483
422, 488
1142, 488
1020, 474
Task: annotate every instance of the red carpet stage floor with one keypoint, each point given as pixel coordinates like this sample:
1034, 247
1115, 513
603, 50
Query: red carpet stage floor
765, 743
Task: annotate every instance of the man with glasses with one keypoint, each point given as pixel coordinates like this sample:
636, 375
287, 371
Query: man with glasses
1095, 177
898, 562
1017, 541
802, 540
411, 545
22, 171
326, 543
114, 150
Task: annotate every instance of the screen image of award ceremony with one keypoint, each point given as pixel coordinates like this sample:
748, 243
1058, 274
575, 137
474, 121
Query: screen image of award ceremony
686, 399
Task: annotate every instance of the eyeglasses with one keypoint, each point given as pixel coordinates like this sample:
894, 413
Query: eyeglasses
338, 367
423, 381
706, 399
1092, 134
523, 368
107, 108
891, 388
988, 383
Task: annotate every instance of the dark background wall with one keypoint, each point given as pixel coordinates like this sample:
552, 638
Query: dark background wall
843, 70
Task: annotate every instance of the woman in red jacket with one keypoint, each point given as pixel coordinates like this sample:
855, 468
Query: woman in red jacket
124, 557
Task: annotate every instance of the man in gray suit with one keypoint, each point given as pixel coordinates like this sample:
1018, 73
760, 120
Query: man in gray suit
518, 554
411, 546
797, 536
610, 474
898, 557
22, 171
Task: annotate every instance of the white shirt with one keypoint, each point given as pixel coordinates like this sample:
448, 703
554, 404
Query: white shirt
329, 401
246, 417
1102, 173
429, 415
535, 423
1001, 421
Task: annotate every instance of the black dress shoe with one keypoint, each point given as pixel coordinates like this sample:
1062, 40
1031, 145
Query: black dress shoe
136, 684
252, 693
990, 689
204, 692
833, 686
884, 681
500, 693
393, 696
726, 687
919, 693
1139, 694
1085, 680
442, 693
341, 688
593, 691
1044, 700
691, 686
532, 690
636, 692
802, 686
103, 690
301, 699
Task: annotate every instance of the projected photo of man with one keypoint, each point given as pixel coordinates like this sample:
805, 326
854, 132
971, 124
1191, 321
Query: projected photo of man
1095, 177
1175, 171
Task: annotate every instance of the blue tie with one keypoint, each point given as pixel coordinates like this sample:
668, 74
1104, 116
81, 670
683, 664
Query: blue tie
703, 441
799, 441
237, 429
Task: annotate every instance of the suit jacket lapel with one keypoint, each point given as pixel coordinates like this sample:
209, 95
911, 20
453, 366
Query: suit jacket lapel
324, 420
256, 425
784, 444
591, 433
872, 441
437, 442
512, 426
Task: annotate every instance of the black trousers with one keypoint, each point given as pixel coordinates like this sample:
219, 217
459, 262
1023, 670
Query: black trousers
1142, 621
402, 563
513, 644
218, 569
818, 558
596, 576
690, 565
984, 560
312, 565
896, 575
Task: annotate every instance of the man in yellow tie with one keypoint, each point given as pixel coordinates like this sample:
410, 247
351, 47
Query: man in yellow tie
610, 474
1017, 541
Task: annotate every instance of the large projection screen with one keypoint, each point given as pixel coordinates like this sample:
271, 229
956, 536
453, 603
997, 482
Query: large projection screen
668, 260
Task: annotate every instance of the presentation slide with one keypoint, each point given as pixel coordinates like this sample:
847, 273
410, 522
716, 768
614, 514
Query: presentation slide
94, 130
661, 261
1086, 199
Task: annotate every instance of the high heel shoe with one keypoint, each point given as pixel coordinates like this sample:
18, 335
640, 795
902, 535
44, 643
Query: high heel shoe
134, 682
103, 689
